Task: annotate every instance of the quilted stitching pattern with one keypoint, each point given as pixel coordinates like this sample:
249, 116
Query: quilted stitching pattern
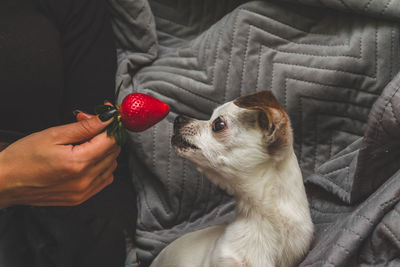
337, 243
325, 67
389, 9
343, 228
378, 158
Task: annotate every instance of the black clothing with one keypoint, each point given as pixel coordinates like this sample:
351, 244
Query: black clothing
56, 56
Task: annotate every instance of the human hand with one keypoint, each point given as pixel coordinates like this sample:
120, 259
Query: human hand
60, 166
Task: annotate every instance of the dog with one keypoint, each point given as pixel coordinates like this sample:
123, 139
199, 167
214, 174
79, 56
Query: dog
246, 148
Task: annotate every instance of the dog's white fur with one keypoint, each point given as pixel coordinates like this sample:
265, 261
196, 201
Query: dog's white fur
252, 158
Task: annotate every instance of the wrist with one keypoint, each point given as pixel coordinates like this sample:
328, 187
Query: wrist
5, 199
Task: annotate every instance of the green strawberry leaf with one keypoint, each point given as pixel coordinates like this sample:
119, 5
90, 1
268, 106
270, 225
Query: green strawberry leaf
118, 137
112, 128
122, 133
117, 130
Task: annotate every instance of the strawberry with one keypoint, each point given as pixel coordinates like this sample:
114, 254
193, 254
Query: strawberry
140, 111
137, 113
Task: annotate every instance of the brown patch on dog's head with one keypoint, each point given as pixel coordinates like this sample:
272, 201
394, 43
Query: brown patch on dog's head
272, 119
260, 99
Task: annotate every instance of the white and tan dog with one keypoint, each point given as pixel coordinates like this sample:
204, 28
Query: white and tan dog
247, 149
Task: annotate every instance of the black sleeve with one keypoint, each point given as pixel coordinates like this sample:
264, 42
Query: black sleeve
55, 56
88, 51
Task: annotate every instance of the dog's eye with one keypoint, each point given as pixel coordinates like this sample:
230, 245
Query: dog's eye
218, 125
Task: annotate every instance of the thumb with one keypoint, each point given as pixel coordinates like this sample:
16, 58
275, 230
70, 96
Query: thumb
82, 130
83, 116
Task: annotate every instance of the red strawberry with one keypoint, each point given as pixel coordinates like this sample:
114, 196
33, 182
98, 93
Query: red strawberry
137, 113
140, 111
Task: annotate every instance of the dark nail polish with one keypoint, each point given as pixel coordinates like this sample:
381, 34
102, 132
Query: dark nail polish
76, 111
105, 116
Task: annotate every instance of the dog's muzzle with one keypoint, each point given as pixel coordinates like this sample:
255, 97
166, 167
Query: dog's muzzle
179, 122
177, 139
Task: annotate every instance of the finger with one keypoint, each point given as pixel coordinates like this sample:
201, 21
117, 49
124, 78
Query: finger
76, 198
83, 116
95, 148
103, 176
103, 164
108, 103
79, 184
78, 132
84, 181
100, 183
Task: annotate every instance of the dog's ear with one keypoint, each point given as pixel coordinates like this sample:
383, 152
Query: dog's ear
271, 111
272, 118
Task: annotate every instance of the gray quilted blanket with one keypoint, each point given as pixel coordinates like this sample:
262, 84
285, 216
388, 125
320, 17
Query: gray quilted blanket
332, 64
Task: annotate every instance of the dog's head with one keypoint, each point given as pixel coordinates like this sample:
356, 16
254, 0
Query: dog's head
240, 136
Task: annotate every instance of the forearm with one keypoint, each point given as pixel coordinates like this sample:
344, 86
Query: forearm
5, 200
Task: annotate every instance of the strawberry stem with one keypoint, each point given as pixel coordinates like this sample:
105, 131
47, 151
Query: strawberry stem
115, 128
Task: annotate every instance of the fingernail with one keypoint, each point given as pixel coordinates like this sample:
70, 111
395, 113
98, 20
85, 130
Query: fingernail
76, 111
106, 101
105, 116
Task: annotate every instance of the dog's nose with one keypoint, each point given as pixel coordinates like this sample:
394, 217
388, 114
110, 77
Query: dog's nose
179, 122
